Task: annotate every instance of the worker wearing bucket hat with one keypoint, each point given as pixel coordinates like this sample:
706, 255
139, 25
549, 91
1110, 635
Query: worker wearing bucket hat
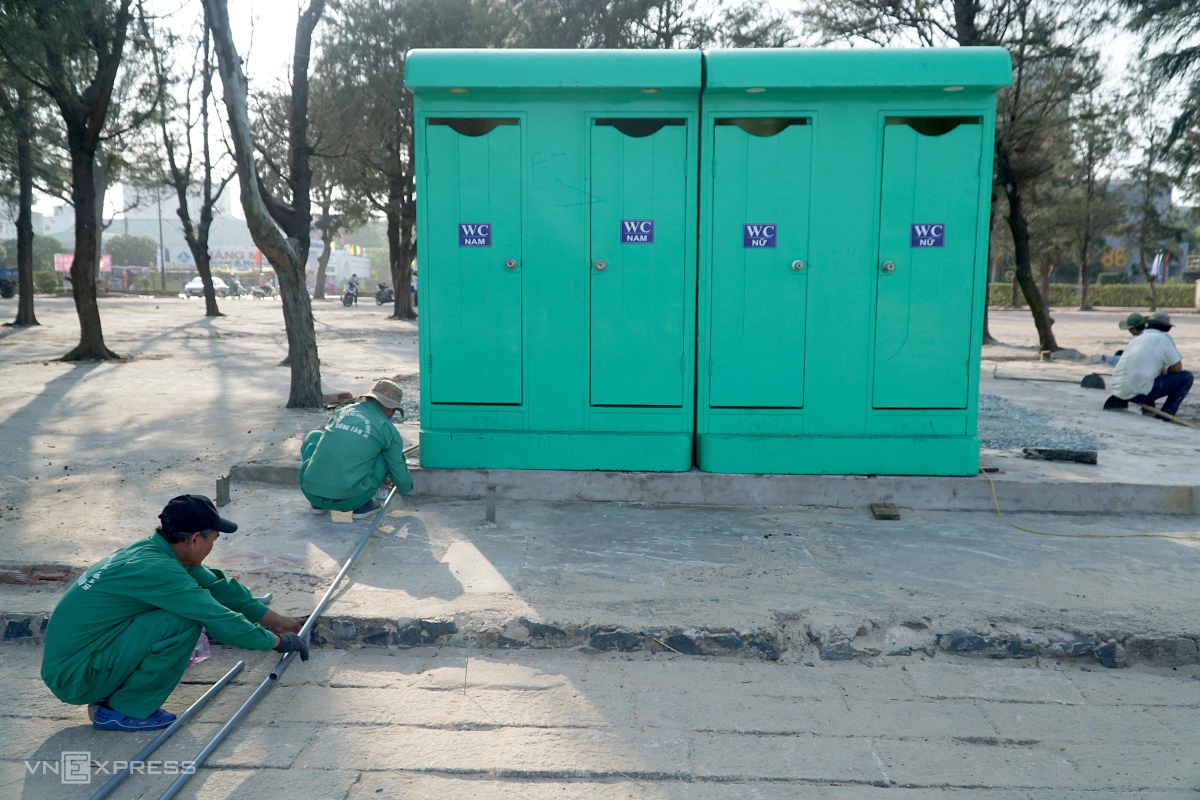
346, 462
122, 634
1151, 369
1135, 323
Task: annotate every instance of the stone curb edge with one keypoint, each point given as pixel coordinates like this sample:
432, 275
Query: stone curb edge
1111, 649
923, 493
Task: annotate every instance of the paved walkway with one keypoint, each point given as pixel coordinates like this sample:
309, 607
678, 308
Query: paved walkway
431, 723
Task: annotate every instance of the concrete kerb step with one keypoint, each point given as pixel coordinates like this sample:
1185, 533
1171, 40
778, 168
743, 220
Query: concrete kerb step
695, 488
791, 640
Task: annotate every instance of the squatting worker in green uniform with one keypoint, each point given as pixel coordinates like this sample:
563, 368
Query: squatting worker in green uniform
346, 462
122, 635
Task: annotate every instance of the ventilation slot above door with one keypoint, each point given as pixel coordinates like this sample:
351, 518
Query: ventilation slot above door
934, 126
764, 126
473, 126
638, 127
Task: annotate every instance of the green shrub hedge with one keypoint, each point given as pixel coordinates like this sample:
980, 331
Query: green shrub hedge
1118, 295
45, 282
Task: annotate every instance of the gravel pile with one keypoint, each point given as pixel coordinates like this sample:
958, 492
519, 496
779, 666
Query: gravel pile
1005, 426
412, 399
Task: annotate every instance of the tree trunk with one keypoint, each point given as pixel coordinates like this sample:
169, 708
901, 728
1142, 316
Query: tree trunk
281, 252
87, 254
1022, 266
1149, 279
25, 315
399, 236
987, 287
322, 265
1023, 269
200, 254
1085, 280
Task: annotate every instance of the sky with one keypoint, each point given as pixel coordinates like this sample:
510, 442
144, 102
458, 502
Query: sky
264, 32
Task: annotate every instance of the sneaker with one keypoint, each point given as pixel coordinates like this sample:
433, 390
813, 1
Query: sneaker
106, 719
367, 510
318, 511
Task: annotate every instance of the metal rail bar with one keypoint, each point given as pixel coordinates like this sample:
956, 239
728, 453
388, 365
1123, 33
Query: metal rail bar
145, 752
281, 667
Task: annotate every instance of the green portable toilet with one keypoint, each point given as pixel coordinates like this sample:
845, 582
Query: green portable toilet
556, 221
843, 258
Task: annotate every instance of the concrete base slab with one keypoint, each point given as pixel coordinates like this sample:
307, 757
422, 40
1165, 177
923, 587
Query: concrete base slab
1022, 492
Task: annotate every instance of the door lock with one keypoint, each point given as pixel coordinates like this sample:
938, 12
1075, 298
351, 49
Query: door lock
510, 263
797, 265
888, 267
601, 265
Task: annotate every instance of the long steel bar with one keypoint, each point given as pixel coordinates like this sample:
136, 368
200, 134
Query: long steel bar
146, 751
305, 633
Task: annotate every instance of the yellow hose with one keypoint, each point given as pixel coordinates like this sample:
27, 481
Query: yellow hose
1146, 534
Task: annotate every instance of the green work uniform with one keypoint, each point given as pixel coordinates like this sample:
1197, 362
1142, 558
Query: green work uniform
126, 629
345, 463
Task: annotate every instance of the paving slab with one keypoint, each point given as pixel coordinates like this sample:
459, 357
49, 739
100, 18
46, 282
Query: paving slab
973, 766
1137, 766
414, 740
807, 758
1008, 684
1153, 688
1077, 724
524, 753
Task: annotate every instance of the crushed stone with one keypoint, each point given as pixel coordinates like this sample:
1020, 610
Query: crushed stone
1007, 426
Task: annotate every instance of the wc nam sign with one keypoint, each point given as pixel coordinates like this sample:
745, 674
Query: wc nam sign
474, 234
637, 231
755, 235
928, 234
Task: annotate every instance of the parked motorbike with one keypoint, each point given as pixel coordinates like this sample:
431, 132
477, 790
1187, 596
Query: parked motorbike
384, 295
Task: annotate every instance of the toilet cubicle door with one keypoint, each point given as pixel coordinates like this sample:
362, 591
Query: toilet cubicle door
928, 227
471, 261
638, 247
759, 272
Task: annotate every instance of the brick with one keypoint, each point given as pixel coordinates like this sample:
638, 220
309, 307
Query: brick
14, 575
52, 574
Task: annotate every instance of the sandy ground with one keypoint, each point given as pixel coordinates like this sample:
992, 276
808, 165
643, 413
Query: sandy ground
1090, 332
90, 452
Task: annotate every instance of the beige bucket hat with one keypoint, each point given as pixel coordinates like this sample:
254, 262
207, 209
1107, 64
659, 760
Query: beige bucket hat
387, 393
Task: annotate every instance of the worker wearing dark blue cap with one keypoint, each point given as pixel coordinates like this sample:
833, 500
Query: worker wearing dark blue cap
123, 633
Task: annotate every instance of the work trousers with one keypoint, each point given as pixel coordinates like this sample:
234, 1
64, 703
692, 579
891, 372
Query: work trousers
378, 473
140, 669
1174, 386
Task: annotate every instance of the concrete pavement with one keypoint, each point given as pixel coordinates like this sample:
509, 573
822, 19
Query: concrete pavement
794, 583
430, 723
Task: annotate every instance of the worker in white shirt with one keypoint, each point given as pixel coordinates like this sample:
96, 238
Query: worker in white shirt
1150, 369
